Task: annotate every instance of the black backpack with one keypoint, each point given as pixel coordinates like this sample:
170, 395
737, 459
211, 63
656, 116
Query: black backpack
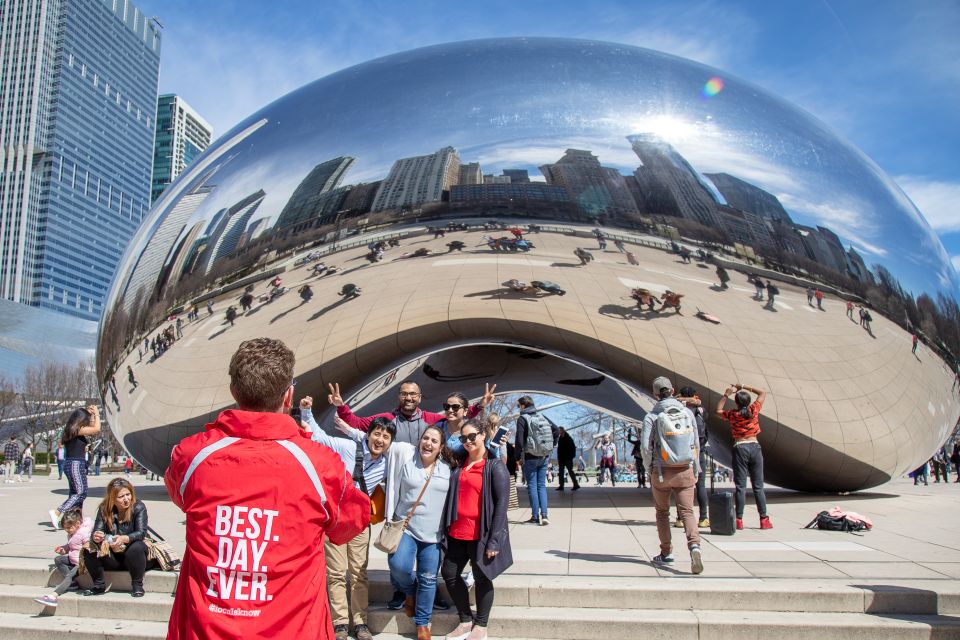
835, 523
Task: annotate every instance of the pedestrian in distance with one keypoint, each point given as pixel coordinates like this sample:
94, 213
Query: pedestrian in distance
80, 424
921, 473
608, 459
758, 284
634, 438
583, 255
60, 459
118, 533
231, 314
619, 245
11, 460
293, 493
306, 293
632, 259
723, 276
819, 296
671, 299
772, 292
747, 453
669, 445
810, 296
566, 452
536, 438
209, 307
914, 340
476, 531
850, 310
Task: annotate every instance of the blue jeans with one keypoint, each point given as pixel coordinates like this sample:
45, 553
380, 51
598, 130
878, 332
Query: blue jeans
420, 581
536, 472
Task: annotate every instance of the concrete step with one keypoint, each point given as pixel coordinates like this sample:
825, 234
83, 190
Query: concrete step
917, 597
20, 626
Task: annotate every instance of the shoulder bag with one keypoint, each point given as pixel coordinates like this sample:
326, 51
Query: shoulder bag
392, 532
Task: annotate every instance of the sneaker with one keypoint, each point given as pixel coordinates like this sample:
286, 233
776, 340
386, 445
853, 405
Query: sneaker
362, 632
544, 522
478, 633
559, 489
704, 523
532, 521
396, 602
341, 632
95, 591
678, 524
576, 487
461, 632
765, 523
739, 524
440, 603
663, 558
696, 560
54, 518
47, 601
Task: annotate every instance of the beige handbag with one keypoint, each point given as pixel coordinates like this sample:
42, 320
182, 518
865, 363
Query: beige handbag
392, 532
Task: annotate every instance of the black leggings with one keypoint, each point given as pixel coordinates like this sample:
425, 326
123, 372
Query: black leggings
133, 559
458, 552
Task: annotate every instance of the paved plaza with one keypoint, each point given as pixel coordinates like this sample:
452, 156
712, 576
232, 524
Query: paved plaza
606, 531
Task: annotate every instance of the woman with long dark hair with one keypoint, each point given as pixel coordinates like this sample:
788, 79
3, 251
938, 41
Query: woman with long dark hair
121, 522
80, 424
747, 455
475, 530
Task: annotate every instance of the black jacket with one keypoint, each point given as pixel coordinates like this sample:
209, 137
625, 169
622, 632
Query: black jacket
566, 448
520, 441
494, 528
136, 529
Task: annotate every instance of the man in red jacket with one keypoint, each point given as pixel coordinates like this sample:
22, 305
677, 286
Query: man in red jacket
259, 497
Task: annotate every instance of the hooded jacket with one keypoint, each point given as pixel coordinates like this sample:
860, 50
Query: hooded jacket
409, 429
259, 496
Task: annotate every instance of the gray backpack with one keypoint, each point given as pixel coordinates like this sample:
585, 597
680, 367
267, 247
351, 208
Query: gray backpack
675, 439
539, 435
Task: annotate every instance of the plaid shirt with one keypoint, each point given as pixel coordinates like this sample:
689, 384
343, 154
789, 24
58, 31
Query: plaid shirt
11, 452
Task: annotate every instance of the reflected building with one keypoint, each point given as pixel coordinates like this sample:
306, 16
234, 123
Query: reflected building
470, 173
311, 198
225, 236
744, 196
418, 180
532, 198
517, 175
181, 135
596, 190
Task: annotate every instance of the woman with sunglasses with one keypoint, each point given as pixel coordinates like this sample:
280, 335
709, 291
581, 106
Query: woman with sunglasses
455, 412
475, 526
417, 482
121, 522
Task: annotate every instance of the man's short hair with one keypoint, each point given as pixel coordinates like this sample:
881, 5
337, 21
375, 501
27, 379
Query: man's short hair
261, 371
526, 401
386, 424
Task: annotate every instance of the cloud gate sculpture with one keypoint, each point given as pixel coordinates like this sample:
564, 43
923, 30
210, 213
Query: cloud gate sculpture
439, 215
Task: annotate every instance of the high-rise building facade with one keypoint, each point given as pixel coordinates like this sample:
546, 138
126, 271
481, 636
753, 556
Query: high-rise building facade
181, 136
308, 199
78, 96
596, 190
418, 180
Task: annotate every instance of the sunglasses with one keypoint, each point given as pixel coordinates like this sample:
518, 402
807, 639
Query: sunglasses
454, 406
469, 438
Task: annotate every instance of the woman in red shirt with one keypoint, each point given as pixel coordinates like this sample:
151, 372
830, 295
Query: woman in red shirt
747, 455
475, 518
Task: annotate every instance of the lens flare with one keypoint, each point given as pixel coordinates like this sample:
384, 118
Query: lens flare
713, 87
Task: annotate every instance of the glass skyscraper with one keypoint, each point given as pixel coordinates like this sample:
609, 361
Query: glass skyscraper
78, 96
182, 135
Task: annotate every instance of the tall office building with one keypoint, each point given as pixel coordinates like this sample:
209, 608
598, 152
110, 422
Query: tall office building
418, 180
596, 190
181, 136
78, 95
308, 199
749, 197
470, 173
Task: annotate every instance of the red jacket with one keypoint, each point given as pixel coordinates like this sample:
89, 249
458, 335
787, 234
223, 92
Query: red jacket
259, 497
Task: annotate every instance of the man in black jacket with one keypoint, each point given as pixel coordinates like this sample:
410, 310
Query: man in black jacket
536, 448
566, 452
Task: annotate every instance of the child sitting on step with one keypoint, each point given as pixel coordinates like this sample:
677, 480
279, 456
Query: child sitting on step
78, 531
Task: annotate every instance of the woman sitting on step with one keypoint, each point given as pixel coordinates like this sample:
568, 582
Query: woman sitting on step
118, 538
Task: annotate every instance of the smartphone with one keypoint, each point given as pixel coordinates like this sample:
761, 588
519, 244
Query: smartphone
498, 437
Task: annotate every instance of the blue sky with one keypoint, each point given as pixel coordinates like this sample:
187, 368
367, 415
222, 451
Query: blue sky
883, 74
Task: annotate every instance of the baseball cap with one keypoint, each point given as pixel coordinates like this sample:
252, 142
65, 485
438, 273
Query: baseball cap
661, 382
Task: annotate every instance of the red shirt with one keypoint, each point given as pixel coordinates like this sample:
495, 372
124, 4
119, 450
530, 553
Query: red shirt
467, 524
741, 427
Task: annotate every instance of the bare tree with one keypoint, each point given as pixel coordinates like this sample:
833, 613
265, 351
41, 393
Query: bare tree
8, 395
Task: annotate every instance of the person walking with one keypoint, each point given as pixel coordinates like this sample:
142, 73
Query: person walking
691, 399
772, 292
476, 531
634, 438
121, 523
535, 439
955, 460
850, 310
132, 378
921, 473
914, 339
80, 424
11, 460
566, 452
810, 296
608, 459
253, 480
367, 461
670, 451
941, 466
26, 463
60, 458
819, 296
723, 277
758, 285
747, 453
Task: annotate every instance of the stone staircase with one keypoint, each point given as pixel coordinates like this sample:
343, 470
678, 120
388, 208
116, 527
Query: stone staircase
549, 607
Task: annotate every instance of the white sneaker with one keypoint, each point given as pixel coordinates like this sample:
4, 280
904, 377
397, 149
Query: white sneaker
54, 518
696, 561
461, 632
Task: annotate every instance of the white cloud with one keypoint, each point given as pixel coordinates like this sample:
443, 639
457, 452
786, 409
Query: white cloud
937, 200
955, 260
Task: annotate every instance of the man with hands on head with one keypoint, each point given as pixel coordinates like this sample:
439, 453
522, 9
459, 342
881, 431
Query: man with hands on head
408, 418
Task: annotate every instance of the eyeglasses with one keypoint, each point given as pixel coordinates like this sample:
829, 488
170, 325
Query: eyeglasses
469, 437
409, 394
454, 406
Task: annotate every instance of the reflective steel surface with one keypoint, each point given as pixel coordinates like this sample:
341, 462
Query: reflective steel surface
359, 172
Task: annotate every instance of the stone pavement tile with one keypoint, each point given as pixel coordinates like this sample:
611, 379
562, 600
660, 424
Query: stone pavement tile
602, 565
791, 556
776, 569
681, 568
902, 570
951, 569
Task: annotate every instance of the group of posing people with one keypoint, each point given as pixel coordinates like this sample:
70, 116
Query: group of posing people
117, 539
